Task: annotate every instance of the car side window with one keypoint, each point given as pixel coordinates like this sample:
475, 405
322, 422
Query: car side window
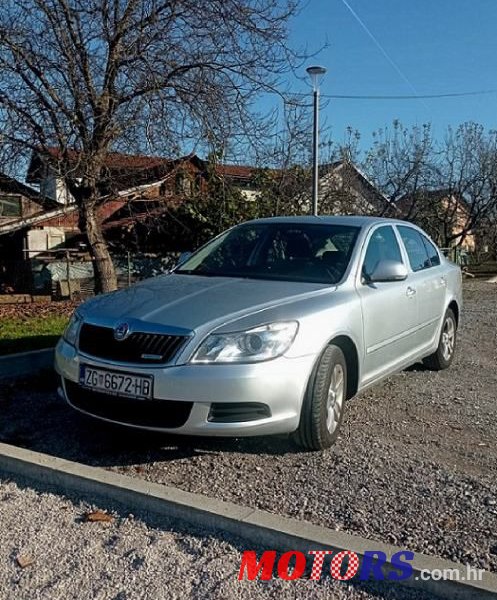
432, 251
415, 247
382, 245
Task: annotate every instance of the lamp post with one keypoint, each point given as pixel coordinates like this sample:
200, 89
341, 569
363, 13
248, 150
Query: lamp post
316, 74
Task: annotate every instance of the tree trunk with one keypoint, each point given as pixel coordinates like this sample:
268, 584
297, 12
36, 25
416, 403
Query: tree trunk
103, 267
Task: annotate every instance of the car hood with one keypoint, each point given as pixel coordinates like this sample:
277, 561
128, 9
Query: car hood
192, 302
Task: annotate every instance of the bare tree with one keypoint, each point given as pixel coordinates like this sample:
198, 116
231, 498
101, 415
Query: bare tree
90, 76
446, 186
284, 179
399, 160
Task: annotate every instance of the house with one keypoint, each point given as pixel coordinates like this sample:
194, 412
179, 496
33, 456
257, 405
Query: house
133, 187
18, 200
345, 189
21, 204
138, 187
137, 191
135, 176
241, 177
445, 215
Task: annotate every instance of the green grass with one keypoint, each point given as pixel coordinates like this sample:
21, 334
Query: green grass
22, 335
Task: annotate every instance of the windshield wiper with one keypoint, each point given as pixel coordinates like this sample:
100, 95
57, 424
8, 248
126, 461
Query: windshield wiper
199, 273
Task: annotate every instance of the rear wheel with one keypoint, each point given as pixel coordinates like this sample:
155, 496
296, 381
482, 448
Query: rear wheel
442, 358
323, 408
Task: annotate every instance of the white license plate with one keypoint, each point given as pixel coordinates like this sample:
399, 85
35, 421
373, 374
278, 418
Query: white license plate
116, 383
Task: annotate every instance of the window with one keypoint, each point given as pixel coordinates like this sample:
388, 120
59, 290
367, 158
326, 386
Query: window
433, 254
416, 249
382, 245
10, 206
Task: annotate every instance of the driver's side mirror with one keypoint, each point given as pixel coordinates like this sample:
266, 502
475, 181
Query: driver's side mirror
386, 271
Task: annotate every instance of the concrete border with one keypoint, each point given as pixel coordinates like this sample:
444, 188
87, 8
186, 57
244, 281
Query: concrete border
256, 527
26, 363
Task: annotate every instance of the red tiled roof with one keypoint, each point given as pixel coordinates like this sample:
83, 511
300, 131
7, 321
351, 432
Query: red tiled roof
241, 171
116, 160
135, 169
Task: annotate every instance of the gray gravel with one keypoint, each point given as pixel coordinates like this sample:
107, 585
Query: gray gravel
128, 560
416, 464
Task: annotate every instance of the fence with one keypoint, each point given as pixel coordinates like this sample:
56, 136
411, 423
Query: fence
459, 256
69, 274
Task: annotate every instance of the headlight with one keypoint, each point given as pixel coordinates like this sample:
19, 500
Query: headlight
71, 332
255, 345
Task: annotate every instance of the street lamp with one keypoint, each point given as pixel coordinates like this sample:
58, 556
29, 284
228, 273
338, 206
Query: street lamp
316, 74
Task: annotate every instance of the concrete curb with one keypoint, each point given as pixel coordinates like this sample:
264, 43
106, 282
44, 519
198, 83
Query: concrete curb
256, 527
26, 363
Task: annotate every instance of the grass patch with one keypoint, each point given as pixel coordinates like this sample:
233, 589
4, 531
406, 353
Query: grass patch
33, 333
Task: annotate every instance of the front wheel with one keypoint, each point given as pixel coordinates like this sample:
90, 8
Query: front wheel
444, 354
324, 403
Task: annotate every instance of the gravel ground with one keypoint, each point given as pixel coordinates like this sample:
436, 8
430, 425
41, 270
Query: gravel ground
129, 560
416, 464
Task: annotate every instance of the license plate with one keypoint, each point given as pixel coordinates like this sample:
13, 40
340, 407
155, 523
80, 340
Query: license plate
116, 383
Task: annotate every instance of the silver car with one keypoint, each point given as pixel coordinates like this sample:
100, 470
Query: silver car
269, 328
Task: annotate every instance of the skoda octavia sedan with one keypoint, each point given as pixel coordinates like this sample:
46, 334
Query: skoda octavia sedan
271, 327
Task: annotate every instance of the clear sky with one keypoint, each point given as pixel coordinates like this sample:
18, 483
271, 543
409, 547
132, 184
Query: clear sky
440, 46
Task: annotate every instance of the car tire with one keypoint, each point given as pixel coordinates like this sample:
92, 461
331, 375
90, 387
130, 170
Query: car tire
444, 355
324, 402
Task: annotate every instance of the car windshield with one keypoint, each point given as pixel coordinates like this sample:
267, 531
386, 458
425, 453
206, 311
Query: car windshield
281, 251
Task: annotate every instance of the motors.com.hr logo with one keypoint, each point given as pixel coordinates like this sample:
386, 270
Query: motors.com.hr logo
343, 566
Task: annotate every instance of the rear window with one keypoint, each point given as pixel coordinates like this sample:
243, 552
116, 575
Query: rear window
433, 254
415, 247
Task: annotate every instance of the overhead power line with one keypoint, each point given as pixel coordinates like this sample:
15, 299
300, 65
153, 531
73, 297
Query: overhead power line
412, 97
400, 97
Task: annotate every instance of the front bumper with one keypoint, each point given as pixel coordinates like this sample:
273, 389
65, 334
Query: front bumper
279, 384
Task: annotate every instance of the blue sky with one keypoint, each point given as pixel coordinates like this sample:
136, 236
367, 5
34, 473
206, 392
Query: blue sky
441, 46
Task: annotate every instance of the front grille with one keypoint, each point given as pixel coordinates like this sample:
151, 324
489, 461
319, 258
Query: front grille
168, 414
237, 412
138, 348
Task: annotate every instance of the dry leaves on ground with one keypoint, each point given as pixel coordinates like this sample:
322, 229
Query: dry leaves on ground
98, 516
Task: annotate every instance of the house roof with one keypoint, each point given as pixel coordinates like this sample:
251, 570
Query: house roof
34, 220
136, 169
236, 171
9, 185
122, 167
116, 160
408, 201
360, 177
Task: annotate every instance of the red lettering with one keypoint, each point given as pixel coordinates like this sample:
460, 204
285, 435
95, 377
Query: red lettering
337, 562
284, 564
253, 568
317, 565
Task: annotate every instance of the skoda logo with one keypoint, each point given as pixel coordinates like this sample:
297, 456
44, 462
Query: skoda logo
121, 332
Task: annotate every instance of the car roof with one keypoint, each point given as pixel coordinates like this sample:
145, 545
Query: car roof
356, 221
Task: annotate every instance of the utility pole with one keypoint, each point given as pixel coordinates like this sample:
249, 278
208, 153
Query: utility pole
316, 73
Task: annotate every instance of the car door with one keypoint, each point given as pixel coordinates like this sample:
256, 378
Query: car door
428, 278
389, 309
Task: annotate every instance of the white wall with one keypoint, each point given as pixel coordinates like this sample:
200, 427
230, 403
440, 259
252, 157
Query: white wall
38, 240
54, 187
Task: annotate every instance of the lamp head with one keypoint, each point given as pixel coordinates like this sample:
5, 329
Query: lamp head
316, 74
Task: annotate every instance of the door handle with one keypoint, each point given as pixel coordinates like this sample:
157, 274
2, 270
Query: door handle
410, 292
443, 281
